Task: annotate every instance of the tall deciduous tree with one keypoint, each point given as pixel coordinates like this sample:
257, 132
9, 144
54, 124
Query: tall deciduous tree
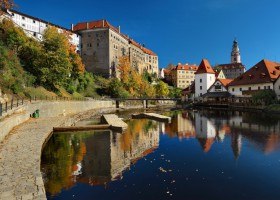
124, 68
55, 63
162, 89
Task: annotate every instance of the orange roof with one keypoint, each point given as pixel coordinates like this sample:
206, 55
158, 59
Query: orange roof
263, 72
186, 67
225, 82
204, 67
232, 66
105, 24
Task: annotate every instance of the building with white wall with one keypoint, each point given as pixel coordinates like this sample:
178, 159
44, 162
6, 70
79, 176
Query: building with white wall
35, 27
263, 76
204, 78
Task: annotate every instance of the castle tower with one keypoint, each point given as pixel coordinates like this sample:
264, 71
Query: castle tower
235, 53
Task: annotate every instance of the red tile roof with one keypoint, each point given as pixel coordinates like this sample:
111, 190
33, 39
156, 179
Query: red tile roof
105, 24
263, 72
225, 82
232, 66
204, 67
186, 67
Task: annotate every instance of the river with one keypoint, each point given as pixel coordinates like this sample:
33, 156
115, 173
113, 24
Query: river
212, 154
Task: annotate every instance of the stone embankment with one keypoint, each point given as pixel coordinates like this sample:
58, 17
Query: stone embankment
20, 151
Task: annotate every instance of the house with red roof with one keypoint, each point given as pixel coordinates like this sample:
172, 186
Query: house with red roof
183, 75
204, 78
263, 76
102, 45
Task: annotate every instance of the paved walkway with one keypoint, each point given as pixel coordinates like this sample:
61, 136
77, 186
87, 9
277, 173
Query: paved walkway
20, 155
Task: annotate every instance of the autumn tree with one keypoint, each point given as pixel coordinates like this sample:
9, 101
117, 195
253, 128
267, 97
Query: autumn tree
55, 66
124, 68
161, 89
6, 4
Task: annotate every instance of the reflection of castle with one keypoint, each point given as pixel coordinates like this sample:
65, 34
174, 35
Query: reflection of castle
109, 154
209, 127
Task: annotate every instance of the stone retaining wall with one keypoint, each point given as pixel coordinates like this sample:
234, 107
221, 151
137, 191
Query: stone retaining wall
48, 109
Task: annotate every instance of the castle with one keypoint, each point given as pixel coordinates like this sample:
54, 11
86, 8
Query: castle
98, 42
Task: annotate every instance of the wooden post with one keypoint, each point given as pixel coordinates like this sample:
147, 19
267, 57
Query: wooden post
147, 103
117, 104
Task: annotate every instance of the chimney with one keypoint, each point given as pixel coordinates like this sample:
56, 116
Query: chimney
103, 23
72, 27
119, 29
87, 25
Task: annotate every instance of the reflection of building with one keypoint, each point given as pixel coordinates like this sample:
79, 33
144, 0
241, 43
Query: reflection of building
205, 131
109, 154
181, 126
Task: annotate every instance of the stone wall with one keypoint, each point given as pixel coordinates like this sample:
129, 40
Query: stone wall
48, 109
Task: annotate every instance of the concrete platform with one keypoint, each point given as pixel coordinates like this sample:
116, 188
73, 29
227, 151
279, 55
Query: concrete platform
152, 116
116, 123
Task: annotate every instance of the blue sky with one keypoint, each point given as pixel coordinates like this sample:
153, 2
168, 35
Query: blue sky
183, 31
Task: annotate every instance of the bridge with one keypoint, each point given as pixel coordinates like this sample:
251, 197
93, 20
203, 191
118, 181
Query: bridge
144, 100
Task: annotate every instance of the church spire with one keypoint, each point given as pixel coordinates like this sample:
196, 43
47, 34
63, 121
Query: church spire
235, 53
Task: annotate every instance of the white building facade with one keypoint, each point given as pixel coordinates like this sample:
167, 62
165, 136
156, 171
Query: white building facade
204, 78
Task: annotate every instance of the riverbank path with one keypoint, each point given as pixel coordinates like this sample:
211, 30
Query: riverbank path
20, 156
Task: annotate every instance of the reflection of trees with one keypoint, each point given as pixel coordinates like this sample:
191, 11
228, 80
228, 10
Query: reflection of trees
59, 159
97, 158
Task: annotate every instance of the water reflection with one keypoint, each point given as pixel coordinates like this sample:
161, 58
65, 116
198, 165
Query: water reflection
95, 158
113, 164
208, 127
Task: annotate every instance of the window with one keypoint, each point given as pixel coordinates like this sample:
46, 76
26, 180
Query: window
265, 87
200, 80
240, 89
268, 87
34, 21
200, 87
232, 89
34, 34
259, 88
23, 18
218, 87
249, 88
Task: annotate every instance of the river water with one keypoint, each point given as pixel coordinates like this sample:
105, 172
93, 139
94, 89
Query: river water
199, 155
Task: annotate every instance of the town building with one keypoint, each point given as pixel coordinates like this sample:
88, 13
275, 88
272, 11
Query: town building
235, 68
102, 45
183, 75
263, 76
35, 27
204, 78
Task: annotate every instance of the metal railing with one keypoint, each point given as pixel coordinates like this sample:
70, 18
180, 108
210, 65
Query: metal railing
7, 106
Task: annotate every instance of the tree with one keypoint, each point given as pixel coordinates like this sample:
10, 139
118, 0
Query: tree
124, 68
170, 66
265, 96
6, 4
55, 64
115, 89
162, 89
